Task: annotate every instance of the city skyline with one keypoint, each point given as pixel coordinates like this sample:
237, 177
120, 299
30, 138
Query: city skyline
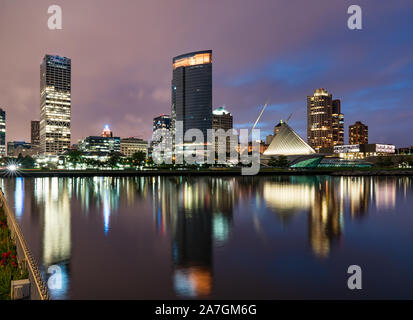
132, 86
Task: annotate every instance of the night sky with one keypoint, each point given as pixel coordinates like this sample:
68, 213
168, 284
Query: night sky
122, 53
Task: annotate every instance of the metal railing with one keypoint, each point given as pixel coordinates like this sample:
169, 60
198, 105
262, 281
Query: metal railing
38, 288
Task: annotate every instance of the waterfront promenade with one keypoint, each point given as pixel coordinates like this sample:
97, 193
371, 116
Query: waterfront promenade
205, 172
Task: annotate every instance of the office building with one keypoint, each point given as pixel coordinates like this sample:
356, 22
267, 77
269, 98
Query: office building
129, 146
55, 104
325, 122
16, 148
222, 119
162, 122
361, 151
192, 91
2, 133
35, 136
35, 133
99, 144
337, 123
358, 133
268, 139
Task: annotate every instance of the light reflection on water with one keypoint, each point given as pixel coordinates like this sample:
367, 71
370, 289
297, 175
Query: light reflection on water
218, 237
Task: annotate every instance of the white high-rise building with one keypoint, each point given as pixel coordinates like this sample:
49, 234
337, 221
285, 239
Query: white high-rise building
2, 133
55, 104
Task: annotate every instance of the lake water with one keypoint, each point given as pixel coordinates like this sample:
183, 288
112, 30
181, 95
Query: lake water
287, 237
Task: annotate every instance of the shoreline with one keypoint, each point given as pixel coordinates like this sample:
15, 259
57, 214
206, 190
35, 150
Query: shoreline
204, 172
25, 259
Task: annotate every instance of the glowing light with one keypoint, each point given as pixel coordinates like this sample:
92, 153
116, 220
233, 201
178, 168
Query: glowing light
12, 167
197, 59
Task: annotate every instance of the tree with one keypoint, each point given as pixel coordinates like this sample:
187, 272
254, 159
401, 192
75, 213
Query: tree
27, 162
138, 157
283, 161
150, 162
384, 161
280, 162
113, 160
273, 162
74, 157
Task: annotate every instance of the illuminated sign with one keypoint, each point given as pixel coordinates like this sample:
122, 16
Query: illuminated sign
197, 59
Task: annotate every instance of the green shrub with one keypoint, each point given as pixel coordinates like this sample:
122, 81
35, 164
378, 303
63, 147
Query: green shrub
9, 266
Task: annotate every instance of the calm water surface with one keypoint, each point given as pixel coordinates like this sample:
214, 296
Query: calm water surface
219, 237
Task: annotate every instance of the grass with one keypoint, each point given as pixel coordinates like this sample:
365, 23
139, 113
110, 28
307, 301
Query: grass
9, 267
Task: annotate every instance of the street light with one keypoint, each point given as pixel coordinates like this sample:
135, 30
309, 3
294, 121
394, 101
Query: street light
12, 167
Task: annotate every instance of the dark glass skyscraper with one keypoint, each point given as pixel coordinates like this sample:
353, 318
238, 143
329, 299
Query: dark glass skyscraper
337, 123
55, 104
192, 91
35, 133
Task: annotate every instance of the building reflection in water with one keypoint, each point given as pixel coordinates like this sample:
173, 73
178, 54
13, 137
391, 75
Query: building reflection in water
325, 221
53, 200
197, 213
356, 190
288, 196
19, 198
313, 196
101, 194
324, 199
385, 193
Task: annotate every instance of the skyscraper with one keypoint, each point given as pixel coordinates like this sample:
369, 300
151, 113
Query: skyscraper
55, 104
2, 133
192, 91
222, 119
162, 122
358, 133
325, 122
337, 123
35, 134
